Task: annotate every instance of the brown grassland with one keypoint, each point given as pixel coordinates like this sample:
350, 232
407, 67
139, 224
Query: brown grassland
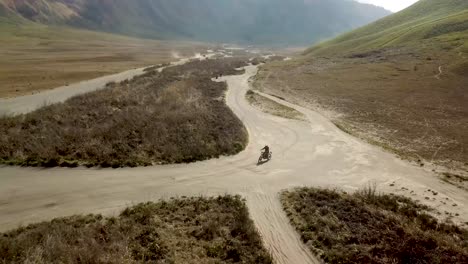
178, 115
190, 230
395, 97
367, 227
35, 58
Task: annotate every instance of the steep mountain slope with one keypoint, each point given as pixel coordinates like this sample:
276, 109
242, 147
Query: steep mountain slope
428, 21
246, 21
400, 83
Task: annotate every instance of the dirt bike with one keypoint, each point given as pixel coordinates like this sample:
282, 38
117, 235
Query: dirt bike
265, 156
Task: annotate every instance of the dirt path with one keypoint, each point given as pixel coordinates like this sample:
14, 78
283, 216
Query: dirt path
437, 76
313, 153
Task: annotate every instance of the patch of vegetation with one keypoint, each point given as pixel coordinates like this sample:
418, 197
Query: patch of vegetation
343, 128
456, 177
461, 181
191, 230
368, 227
176, 116
272, 107
457, 26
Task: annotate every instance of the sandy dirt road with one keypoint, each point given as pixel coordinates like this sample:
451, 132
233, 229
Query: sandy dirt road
313, 153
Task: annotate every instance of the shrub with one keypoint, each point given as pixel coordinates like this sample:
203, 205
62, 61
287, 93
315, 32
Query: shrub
175, 231
368, 227
169, 117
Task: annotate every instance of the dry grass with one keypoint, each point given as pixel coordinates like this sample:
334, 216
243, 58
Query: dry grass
40, 58
175, 116
191, 230
368, 227
272, 107
393, 98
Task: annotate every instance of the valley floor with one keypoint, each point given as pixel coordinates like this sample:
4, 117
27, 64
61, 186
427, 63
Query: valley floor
37, 58
313, 153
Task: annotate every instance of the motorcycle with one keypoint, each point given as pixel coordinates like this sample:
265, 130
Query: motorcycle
265, 156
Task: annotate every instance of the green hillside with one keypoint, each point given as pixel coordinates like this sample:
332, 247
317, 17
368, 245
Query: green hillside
441, 24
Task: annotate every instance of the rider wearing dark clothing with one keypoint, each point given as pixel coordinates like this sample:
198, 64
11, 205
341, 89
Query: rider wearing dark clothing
267, 151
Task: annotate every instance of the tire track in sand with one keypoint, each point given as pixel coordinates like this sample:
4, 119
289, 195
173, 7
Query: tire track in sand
278, 235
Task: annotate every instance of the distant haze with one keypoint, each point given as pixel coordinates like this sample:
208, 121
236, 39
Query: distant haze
264, 22
393, 5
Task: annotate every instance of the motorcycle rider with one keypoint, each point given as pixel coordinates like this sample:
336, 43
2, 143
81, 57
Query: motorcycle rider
266, 152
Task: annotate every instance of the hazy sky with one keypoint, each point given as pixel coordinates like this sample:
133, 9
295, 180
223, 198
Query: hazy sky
393, 5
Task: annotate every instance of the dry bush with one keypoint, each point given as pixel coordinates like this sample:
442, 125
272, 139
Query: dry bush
368, 227
175, 116
193, 230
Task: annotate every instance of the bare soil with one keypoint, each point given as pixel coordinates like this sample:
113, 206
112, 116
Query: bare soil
178, 115
367, 227
409, 102
190, 230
